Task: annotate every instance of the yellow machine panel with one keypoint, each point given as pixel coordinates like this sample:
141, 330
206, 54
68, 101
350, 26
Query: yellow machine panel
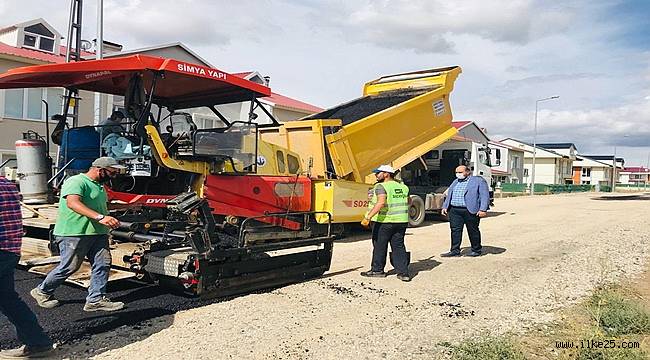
305, 138
347, 201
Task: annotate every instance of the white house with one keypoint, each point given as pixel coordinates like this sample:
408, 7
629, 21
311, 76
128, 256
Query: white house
551, 167
609, 160
637, 175
587, 171
511, 169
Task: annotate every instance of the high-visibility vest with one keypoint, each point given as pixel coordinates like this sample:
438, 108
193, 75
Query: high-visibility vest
396, 209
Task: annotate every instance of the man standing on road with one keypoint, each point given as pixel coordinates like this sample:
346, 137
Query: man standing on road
81, 230
29, 331
468, 199
388, 210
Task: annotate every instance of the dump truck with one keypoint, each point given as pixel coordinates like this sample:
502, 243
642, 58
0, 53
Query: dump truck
244, 206
429, 176
399, 118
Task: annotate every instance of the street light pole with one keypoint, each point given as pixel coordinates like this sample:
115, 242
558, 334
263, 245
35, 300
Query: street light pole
614, 171
532, 176
614, 178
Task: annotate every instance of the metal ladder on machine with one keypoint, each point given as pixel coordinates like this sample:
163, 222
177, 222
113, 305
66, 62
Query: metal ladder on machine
71, 97
73, 53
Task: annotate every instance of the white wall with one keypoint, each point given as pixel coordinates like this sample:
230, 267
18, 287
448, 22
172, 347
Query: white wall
545, 170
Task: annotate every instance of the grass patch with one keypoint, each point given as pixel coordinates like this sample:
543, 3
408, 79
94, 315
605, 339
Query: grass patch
616, 315
611, 354
487, 348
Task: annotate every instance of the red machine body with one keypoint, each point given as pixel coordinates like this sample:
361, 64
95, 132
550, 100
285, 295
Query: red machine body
242, 196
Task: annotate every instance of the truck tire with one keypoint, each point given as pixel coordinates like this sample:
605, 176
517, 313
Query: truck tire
416, 211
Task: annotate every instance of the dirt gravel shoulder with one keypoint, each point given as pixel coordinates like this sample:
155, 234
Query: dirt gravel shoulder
543, 253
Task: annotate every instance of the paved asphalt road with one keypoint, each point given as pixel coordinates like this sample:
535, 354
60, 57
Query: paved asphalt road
69, 322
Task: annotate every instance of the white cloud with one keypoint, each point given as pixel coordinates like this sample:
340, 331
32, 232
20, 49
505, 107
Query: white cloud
429, 26
512, 53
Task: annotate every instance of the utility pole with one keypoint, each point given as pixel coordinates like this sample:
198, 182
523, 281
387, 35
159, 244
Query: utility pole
614, 171
532, 177
99, 54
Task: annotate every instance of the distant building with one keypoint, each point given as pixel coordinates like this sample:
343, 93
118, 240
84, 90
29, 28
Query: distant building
588, 171
33, 42
609, 160
635, 175
511, 169
568, 149
551, 167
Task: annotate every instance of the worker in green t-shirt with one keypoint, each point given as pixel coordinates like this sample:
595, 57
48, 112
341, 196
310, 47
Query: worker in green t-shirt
81, 231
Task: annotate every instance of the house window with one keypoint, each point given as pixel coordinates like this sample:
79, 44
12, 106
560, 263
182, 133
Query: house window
28, 104
514, 162
39, 37
14, 101
525, 172
586, 172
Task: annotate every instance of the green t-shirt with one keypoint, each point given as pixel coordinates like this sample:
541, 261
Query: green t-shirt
68, 222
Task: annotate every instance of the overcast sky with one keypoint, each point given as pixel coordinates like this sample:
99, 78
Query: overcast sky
594, 54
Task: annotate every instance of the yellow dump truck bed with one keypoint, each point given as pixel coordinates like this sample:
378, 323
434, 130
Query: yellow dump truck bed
399, 118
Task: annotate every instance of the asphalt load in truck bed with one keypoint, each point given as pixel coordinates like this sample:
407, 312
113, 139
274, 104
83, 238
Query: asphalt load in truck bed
365, 106
69, 322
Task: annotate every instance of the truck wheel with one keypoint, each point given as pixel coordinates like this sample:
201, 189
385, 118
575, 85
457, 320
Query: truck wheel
416, 211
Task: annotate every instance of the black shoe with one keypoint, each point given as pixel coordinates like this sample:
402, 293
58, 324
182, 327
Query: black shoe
450, 254
474, 254
377, 274
404, 277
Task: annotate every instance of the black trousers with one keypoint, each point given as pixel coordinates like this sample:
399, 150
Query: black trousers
382, 235
459, 217
28, 329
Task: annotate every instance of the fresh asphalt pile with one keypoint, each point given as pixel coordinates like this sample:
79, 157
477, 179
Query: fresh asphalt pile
366, 106
69, 322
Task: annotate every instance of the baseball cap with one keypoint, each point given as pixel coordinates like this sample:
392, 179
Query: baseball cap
385, 168
107, 161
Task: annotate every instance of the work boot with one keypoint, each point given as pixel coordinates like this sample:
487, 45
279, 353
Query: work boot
44, 300
371, 273
404, 277
105, 304
450, 254
28, 352
474, 254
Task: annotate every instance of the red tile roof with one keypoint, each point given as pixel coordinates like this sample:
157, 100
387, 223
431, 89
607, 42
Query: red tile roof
636, 169
498, 172
37, 55
285, 101
31, 54
460, 124
243, 74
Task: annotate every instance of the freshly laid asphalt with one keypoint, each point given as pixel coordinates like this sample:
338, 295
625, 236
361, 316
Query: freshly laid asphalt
69, 322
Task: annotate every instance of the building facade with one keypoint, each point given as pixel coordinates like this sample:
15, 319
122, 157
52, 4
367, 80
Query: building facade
587, 171
511, 168
635, 175
551, 167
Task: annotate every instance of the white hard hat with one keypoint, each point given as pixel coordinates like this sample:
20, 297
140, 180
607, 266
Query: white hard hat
385, 168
